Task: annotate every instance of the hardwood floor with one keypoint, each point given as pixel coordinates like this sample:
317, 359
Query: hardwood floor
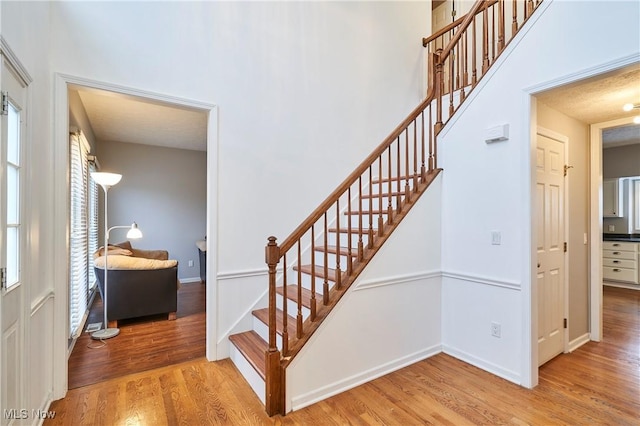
598, 384
143, 343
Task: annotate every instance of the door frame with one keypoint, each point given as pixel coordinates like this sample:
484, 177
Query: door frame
61, 213
596, 224
565, 219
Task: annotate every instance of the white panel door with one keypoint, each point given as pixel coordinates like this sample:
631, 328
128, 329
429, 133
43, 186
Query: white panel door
12, 353
550, 232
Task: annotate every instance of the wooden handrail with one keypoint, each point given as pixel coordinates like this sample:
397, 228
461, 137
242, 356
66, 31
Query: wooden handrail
453, 25
478, 6
288, 243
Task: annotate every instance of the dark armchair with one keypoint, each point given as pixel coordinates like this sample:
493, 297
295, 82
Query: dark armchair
141, 283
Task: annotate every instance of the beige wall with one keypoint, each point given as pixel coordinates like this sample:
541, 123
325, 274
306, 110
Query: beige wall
577, 212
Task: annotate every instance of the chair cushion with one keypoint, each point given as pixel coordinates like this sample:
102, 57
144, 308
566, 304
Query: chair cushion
127, 262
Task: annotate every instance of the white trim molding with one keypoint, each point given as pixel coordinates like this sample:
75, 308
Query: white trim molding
21, 70
399, 279
512, 285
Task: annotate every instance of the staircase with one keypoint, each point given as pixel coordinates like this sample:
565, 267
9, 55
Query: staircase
314, 267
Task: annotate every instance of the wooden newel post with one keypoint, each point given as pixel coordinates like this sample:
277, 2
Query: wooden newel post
274, 400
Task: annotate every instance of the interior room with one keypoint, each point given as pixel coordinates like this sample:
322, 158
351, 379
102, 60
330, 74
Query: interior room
159, 150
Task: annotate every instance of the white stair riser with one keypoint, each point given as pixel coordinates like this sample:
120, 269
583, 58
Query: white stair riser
248, 372
292, 307
263, 330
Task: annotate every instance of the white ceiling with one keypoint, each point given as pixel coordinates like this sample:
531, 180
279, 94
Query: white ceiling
600, 99
120, 118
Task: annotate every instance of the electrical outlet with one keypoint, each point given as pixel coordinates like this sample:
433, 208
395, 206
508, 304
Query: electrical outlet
495, 329
190, 263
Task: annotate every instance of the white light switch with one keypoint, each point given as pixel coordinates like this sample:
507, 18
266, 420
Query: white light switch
496, 238
612, 228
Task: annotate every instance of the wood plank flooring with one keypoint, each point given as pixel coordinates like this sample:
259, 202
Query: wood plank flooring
143, 343
598, 384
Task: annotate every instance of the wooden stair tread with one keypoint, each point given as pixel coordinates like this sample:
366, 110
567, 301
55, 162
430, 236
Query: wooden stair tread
292, 294
263, 315
354, 230
319, 271
383, 195
253, 347
344, 251
394, 179
366, 212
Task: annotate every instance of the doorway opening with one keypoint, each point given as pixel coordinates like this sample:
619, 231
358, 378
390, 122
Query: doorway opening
163, 148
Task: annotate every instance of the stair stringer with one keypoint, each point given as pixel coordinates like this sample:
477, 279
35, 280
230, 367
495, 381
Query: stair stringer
367, 335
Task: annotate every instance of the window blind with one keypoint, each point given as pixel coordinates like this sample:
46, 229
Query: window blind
83, 232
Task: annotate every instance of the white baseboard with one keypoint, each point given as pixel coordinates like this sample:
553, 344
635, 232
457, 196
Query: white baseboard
347, 383
509, 375
189, 280
579, 341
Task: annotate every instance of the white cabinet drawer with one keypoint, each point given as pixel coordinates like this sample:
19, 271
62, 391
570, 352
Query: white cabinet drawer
619, 263
620, 274
618, 254
619, 246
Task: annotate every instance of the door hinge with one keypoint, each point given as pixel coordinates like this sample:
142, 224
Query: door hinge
565, 323
5, 103
3, 278
565, 246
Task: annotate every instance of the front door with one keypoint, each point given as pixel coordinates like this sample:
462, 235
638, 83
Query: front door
12, 293
550, 162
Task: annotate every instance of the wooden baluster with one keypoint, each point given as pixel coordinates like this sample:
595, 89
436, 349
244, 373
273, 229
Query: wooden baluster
451, 63
474, 56
380, 218
529, 9
423, 173
407, 170
390, 197
514, 23
285, 323
360, 245
458, 62
438, 90
314, 308
338, 270
485, 41
370, 206
325, 284
349, 248
433, 161
399, 182
501, 36
465, 75
299, 314
493, 34
415, 154
273, 383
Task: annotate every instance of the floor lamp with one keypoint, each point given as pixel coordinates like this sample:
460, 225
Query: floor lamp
106, 181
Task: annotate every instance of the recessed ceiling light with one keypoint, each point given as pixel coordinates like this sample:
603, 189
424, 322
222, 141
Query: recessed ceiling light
629, 107
636, 119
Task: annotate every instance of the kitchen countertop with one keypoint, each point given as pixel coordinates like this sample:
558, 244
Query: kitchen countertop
629, 238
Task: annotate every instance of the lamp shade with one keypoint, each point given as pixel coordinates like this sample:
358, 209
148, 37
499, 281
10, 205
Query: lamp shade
134, 233
105, 178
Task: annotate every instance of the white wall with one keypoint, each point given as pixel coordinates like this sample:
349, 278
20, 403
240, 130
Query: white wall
388, 319
304, 91
164, 190
488, 187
